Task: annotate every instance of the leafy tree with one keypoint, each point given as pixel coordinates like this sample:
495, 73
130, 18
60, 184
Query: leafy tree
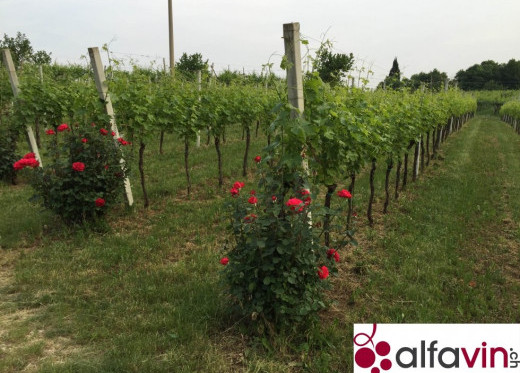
393, 80
188, 65
228, 77
332, 67
22, 50
434, 80
41, 58
510, 74
490, 75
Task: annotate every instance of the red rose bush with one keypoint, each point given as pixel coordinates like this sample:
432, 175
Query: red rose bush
84, 176
276, 270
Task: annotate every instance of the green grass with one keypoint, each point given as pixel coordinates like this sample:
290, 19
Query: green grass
146, 297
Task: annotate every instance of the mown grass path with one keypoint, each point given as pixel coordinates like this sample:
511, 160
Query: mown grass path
451, 253
146, 297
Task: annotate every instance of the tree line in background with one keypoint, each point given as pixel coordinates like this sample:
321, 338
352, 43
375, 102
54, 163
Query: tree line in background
22, 50
486, 76
333, 68
490, 75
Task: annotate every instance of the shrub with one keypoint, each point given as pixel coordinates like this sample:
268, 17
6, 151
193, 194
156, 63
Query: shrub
8, 156
84, 170
276, 269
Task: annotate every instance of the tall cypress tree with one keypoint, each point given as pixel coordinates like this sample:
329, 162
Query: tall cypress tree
395, 73
393, 80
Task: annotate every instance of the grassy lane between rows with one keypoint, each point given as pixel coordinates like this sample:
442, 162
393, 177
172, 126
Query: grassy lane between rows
145, 297
452, 252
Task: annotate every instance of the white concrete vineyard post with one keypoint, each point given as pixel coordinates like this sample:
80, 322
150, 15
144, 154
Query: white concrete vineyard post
13, 78
199, 87
102, 88
291, 36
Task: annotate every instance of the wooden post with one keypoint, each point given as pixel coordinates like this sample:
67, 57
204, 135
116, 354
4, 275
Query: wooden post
446, 85
102, 88
199, 87
291, 36
170, 33
15, 86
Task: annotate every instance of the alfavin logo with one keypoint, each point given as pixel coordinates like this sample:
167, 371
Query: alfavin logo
436, 347
365, 357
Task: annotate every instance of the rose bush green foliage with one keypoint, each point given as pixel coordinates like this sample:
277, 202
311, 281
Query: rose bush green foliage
84, 168
272, 271
276, 268
8, 156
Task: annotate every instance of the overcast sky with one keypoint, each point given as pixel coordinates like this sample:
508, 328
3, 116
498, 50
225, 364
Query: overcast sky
423, 34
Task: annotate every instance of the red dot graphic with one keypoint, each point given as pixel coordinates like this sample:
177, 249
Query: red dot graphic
374, 370
386, 364
383, 348
365, 357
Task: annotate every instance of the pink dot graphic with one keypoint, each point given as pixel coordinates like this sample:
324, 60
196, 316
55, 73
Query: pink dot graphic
383, 348
374, 370
365, 357
386, 364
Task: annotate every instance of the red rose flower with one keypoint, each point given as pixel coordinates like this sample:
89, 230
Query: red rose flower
307, 201
32, 163
78, 166
323, 272
63, 127
258, 159
343, 193
103, 131
84, 140
295, 203
113, 133
234, 191
50, 132
29, 156
253, 192
224, 261
122, 141
304, 192
100, 202
250, 218
18, 165
273, 198
333, 253
252, 200
238, 185
25, 162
